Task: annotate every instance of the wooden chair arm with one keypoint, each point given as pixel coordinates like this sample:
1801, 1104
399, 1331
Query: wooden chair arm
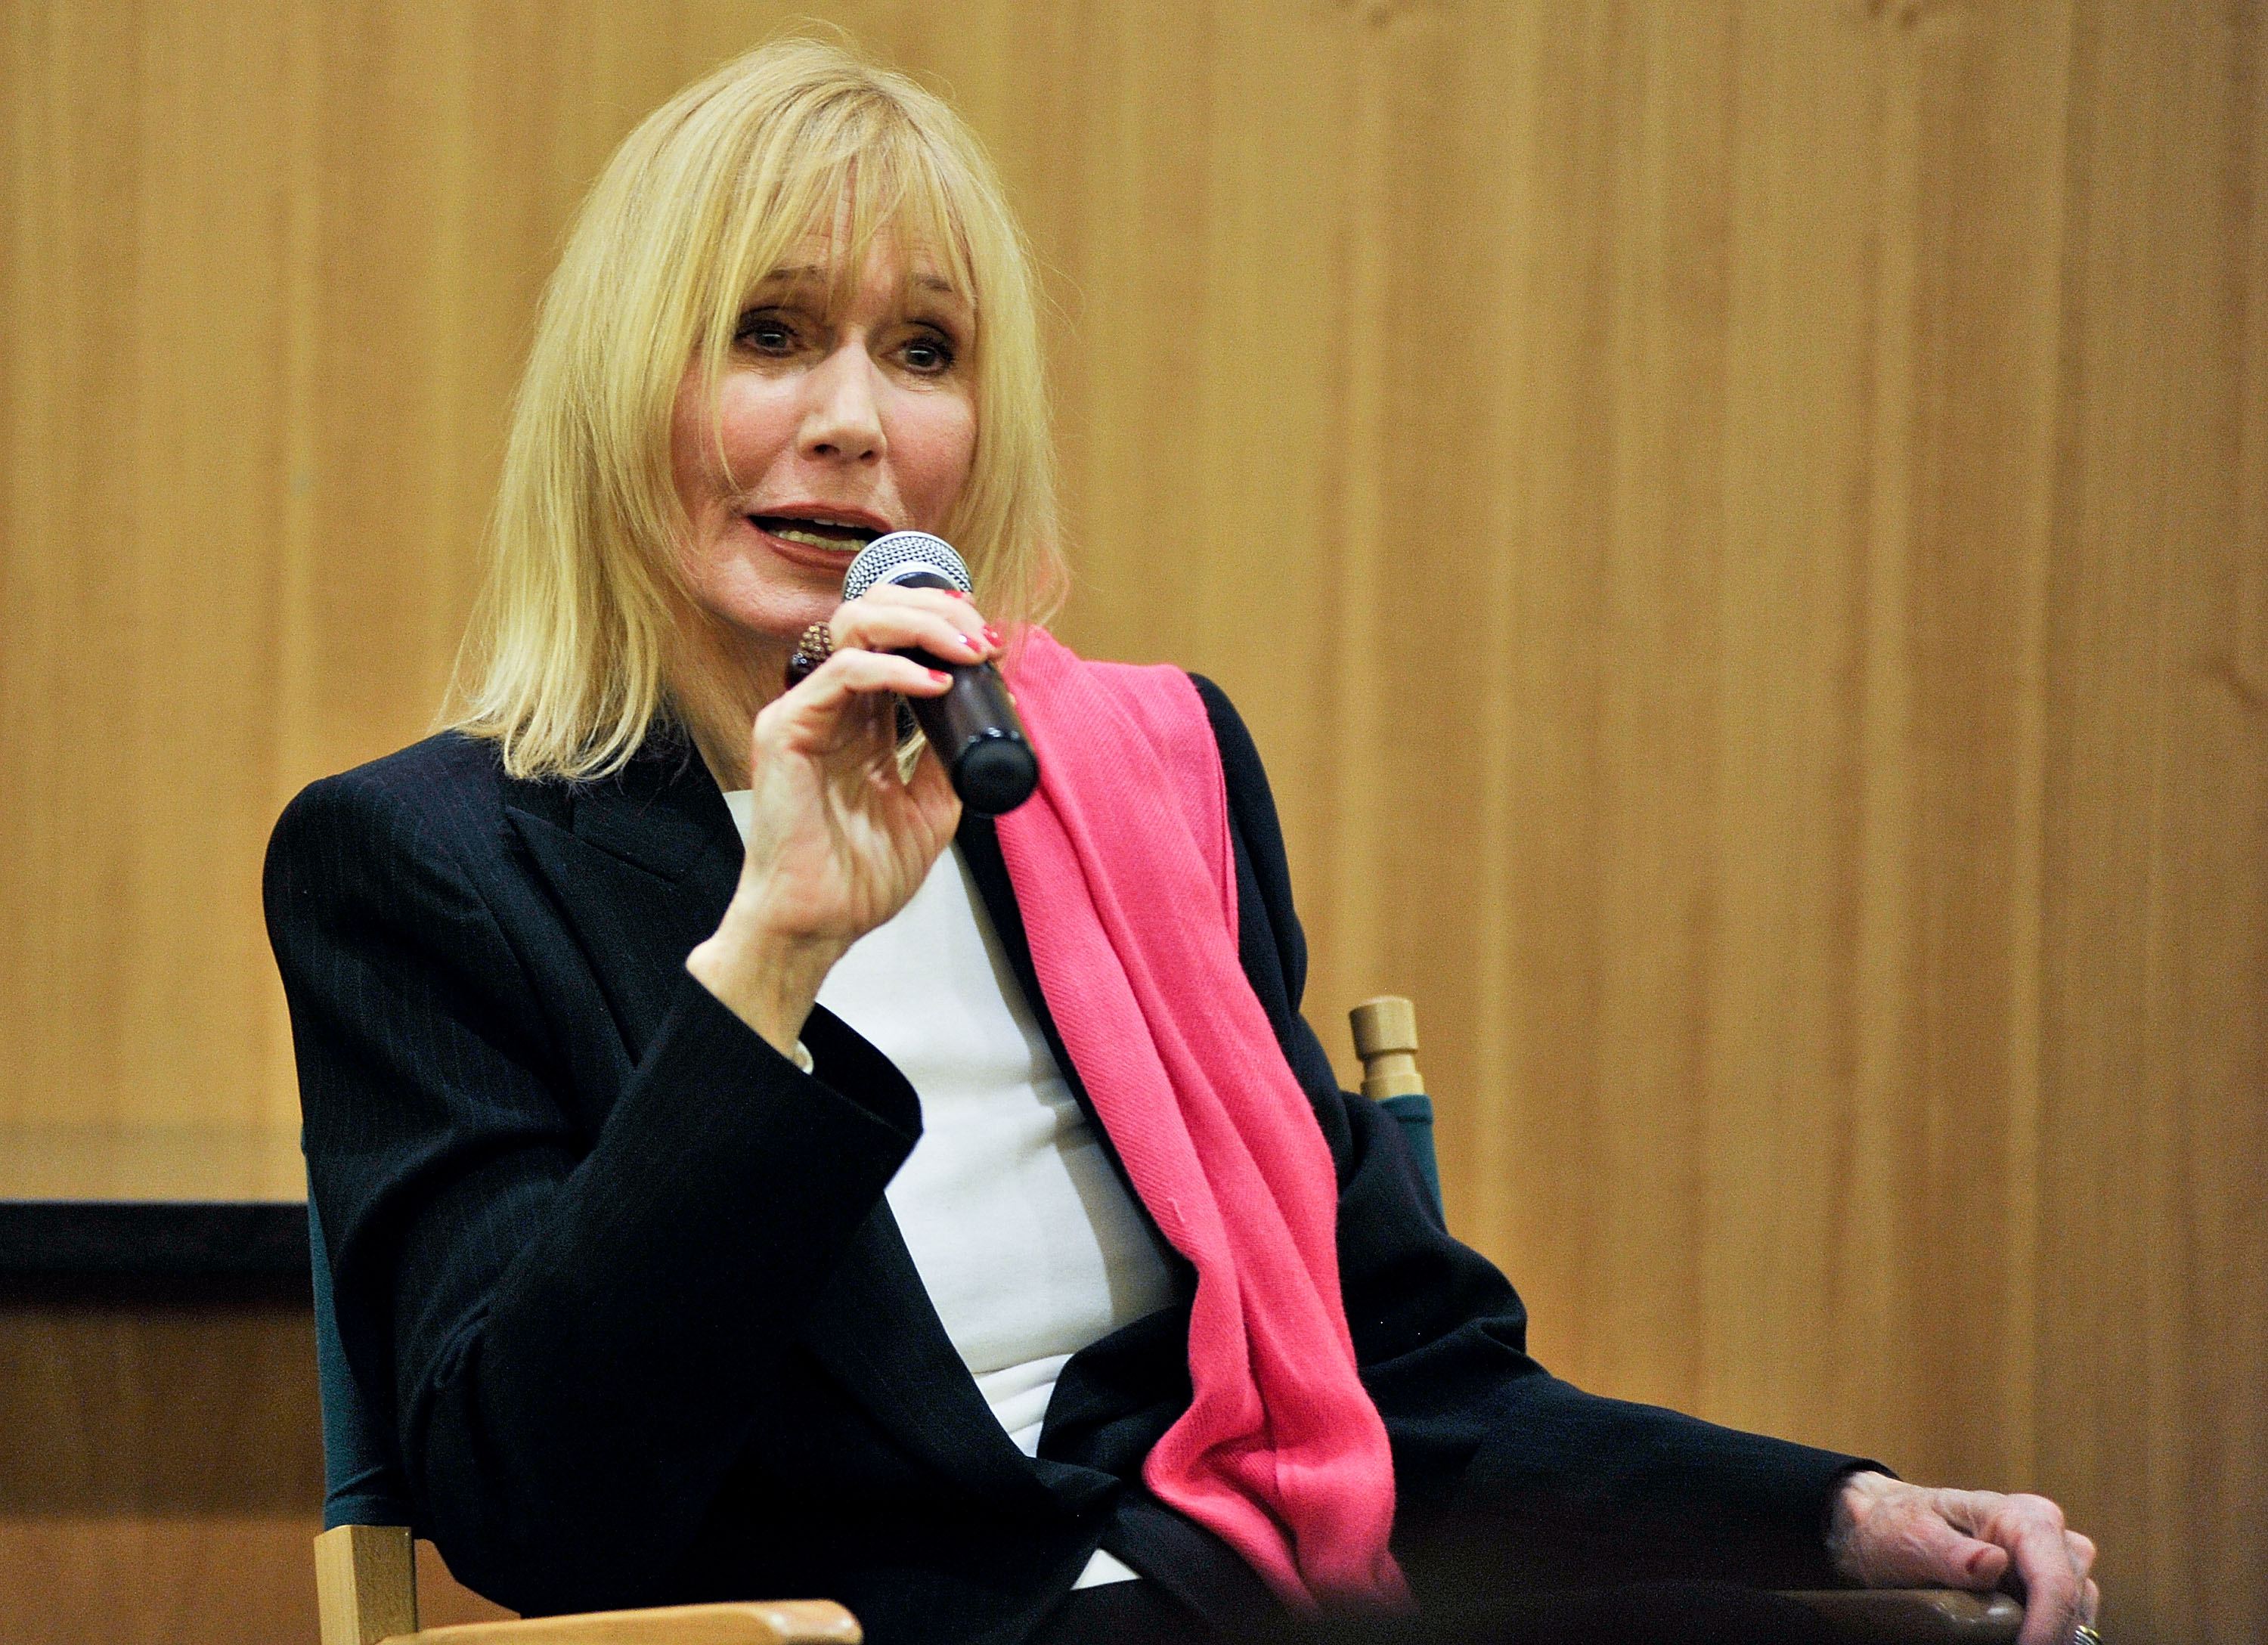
1915, 1615
366, 1592
1882, 1616
781, 1622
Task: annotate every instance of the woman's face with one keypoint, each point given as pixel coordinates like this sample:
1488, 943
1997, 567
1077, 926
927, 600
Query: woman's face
836, 428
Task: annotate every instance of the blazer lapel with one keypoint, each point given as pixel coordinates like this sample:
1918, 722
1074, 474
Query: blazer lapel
642, 865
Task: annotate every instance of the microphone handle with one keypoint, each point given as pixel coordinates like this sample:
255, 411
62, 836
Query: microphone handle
975, 728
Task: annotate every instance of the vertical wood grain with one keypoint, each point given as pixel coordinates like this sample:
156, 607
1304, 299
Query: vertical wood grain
139, 540
1741, 530
2153, 1134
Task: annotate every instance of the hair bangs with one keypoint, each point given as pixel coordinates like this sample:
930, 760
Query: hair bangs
854, 175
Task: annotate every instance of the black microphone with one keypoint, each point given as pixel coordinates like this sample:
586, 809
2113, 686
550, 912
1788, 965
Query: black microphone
973, 727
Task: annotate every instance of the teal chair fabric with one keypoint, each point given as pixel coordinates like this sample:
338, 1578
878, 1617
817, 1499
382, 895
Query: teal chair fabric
1415, 1113
361, 1483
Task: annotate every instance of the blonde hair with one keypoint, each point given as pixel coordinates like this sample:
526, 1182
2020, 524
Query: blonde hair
567, 662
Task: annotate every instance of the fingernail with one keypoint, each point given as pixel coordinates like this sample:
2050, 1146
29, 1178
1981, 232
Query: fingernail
956, 593
940, 676
992, 634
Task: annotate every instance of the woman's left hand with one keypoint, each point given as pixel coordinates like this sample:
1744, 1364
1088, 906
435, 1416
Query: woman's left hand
1889, 1534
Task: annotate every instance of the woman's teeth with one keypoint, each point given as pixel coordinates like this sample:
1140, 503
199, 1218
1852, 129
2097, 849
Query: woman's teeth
817, 534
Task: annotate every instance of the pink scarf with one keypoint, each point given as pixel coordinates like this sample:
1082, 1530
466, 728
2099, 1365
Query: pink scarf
1123, 869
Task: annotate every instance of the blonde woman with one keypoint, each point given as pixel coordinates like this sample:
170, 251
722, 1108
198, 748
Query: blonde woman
746, 1174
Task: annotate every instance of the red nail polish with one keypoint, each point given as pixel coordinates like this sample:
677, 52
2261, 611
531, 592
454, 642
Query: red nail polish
992, 634
940, 676
956, 593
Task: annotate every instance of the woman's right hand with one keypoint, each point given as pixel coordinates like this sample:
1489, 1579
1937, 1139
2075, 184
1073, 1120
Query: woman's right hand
838, 842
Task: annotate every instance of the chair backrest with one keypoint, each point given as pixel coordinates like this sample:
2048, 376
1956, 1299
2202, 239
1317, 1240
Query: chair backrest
1386, 1039
363, 1483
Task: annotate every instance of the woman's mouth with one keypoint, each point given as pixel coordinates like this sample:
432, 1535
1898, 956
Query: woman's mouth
829, 535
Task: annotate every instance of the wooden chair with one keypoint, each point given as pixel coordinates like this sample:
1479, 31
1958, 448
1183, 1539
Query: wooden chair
1385, 1040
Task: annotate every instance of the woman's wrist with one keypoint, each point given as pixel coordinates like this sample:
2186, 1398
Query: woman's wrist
766, 980
1856, 1494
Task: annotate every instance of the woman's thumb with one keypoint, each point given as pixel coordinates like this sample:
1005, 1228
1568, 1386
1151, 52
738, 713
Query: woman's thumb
1961, 1560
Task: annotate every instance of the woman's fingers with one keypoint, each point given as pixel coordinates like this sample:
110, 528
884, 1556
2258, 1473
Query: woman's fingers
2048, 1569
2046, 1562
861, 672
869, 635
845, 694
841, 725
838, 839
1889, 1534
949, 627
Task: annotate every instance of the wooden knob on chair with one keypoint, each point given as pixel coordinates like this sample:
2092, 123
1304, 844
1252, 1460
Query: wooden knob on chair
1386, 1039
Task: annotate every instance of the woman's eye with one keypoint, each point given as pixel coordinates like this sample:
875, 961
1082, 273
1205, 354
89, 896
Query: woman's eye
928, 355
766, 334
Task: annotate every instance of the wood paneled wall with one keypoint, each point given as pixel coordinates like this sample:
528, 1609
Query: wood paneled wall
1740, 528
161, 1466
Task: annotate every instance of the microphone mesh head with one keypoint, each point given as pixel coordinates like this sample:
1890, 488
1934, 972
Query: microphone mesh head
887, 558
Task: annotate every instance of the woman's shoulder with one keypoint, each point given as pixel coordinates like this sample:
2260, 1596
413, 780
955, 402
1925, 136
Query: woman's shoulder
1222, 724
448, 775
448, 800
1251, 802
1174, 707
441, 802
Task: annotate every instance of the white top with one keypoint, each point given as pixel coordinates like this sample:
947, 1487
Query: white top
1028, 1244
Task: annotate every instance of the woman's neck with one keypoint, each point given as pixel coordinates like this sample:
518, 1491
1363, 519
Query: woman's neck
716, 688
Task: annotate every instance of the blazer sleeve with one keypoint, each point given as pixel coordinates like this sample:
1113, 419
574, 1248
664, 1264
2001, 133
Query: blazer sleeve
1508, 1471
572, 1313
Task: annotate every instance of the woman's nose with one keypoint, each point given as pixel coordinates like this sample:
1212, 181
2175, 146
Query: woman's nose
843, 422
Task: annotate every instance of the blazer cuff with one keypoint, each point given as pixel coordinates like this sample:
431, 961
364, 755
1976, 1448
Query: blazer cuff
701, 1041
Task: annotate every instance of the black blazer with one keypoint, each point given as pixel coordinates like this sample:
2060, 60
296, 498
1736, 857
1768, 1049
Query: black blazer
624, 1283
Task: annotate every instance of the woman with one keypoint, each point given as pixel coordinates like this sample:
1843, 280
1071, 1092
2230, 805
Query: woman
608, 998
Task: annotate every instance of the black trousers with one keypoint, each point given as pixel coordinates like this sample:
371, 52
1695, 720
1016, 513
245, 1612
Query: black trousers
1644, 1614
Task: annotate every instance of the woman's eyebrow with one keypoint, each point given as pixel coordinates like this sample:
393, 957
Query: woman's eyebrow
814, 274
799, 274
